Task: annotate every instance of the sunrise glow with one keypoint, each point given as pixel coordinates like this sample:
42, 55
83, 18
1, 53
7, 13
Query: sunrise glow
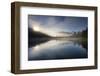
36, 28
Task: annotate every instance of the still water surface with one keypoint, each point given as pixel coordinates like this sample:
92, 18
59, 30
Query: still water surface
57, 49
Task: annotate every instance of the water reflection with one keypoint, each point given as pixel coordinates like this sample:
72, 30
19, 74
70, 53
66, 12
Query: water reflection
57, 49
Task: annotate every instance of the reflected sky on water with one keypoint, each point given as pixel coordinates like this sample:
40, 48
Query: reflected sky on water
57, 49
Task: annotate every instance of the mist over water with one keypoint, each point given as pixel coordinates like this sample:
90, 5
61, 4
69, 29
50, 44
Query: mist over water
57, 37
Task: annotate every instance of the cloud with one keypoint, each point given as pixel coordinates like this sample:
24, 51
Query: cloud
55, 24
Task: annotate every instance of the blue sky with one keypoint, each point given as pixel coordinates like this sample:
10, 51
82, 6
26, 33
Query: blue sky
58, 23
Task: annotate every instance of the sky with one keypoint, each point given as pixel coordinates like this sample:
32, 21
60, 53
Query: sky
53, 25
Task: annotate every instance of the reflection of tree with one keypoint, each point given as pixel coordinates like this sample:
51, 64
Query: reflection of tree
34, 42
81, 42
84, 37
36, 38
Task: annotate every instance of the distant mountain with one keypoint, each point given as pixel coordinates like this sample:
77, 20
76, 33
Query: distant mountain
34, 34
65, 32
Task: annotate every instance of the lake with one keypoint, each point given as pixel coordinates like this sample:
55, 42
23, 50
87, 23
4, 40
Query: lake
57, 49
